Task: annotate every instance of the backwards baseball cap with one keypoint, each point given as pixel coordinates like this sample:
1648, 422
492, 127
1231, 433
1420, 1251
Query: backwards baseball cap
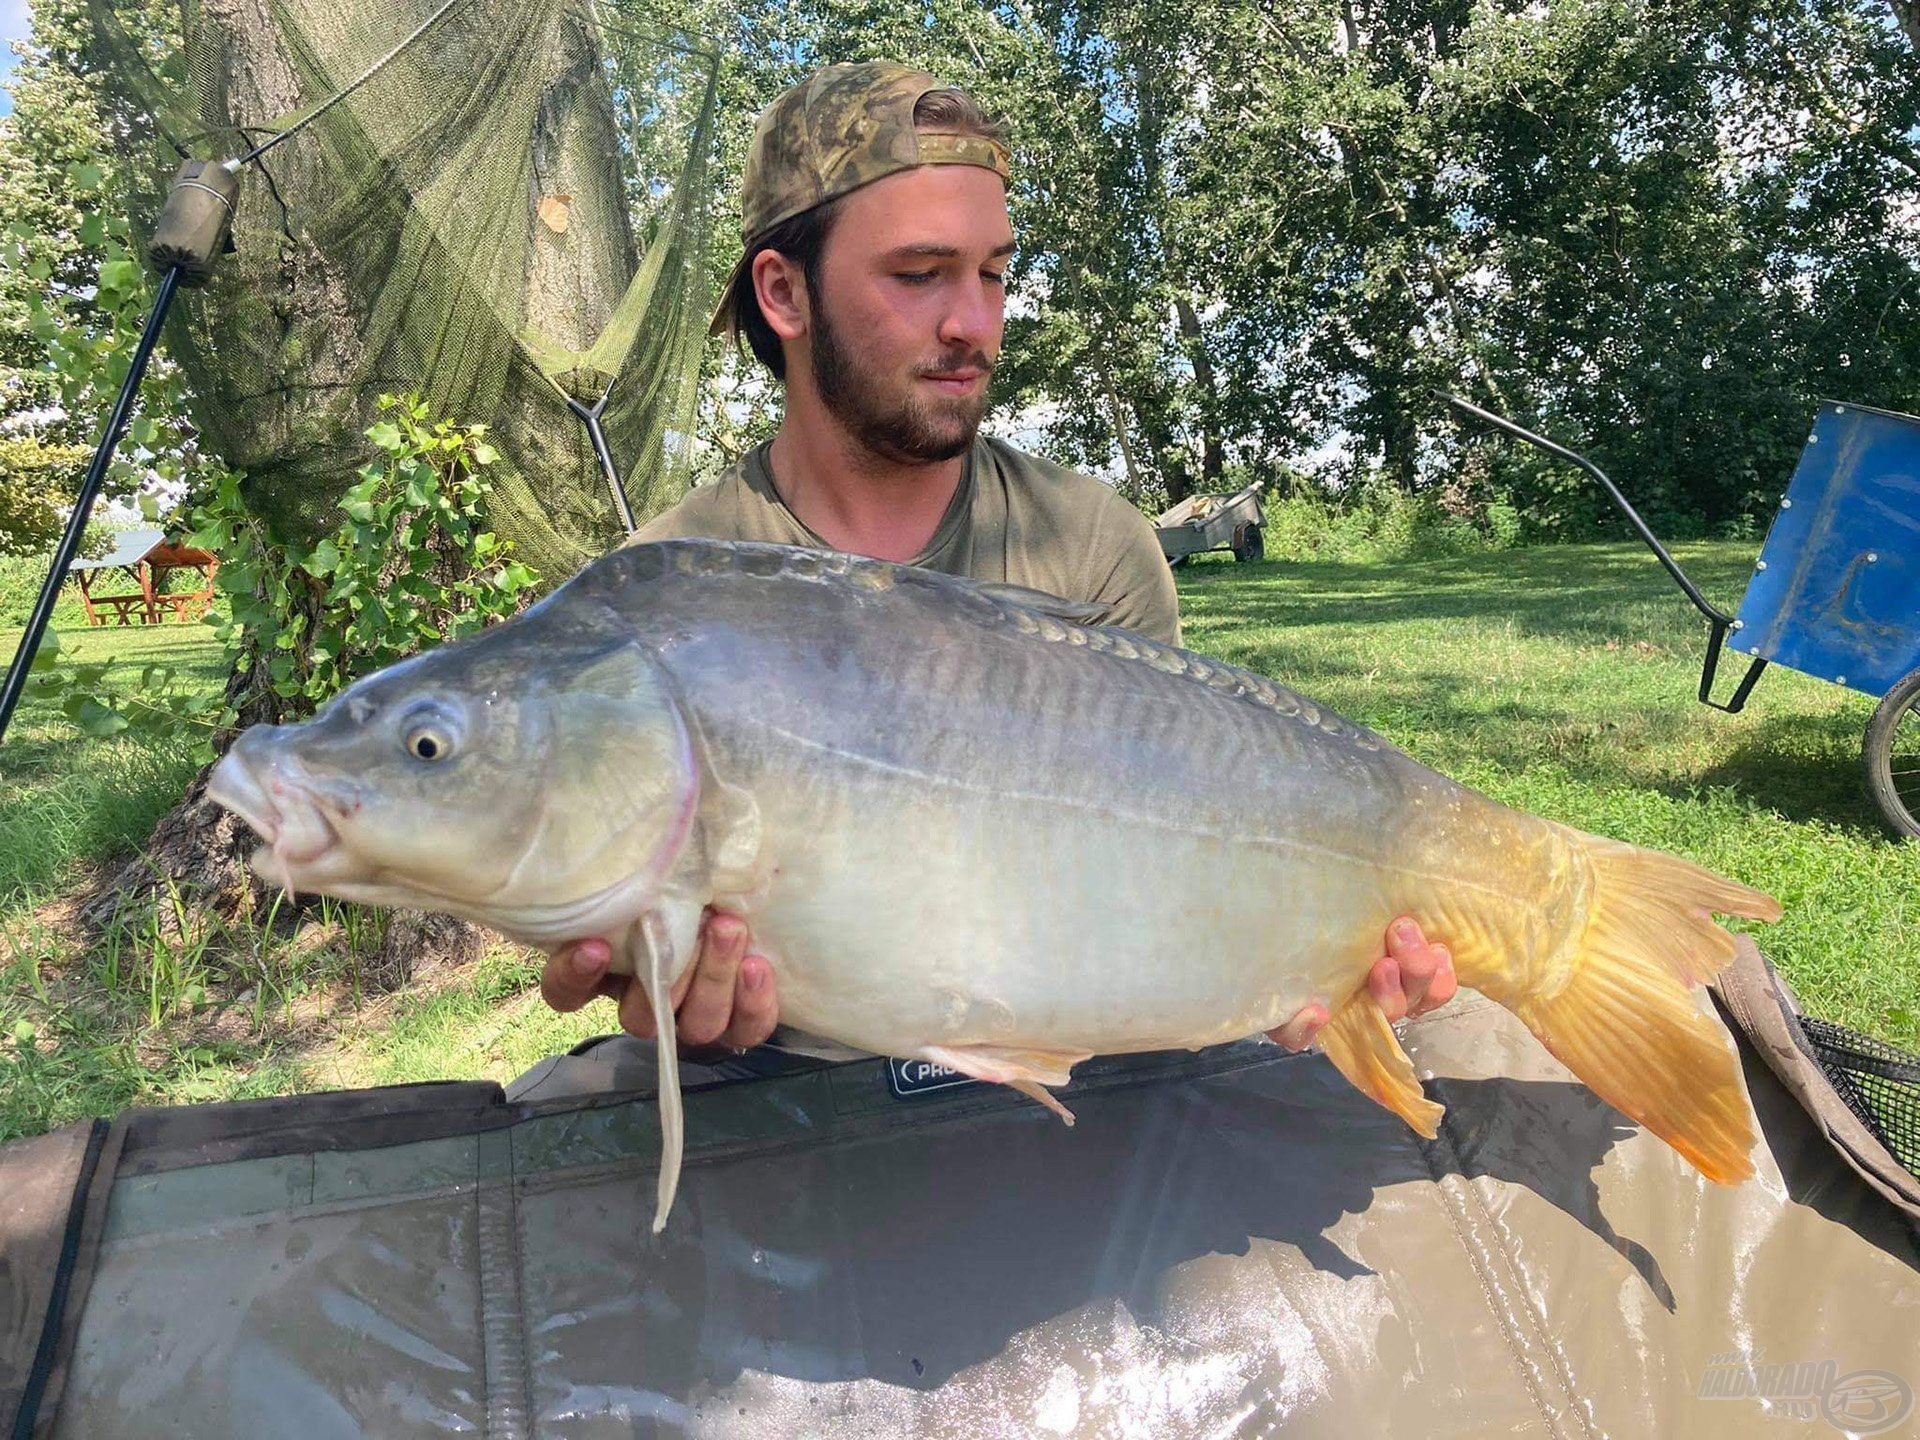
842, 127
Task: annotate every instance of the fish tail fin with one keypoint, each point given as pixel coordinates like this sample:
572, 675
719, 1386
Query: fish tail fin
1621, 1013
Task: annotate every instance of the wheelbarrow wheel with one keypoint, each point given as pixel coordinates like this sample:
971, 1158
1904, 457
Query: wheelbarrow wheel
1893, 756
1252, 546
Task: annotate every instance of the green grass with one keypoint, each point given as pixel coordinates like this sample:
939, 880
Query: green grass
66, 799
1558, 680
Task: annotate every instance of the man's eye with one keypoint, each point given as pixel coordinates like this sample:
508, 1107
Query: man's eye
917, 277
993, 277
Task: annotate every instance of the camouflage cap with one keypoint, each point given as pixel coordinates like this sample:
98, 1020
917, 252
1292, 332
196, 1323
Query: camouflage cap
842, 127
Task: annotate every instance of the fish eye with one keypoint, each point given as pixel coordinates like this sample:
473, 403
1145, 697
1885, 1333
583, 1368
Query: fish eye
429, 741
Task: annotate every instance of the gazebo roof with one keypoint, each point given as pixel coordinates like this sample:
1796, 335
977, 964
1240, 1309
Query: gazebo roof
130, 547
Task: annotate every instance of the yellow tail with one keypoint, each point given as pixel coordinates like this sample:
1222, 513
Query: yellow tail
1621, 1013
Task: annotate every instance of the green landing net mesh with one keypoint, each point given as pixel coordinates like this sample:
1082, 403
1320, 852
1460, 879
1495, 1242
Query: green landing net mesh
505, 214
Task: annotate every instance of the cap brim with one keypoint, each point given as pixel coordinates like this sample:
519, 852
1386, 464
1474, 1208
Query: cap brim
723, 312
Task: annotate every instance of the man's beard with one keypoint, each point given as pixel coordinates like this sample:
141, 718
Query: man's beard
910, 430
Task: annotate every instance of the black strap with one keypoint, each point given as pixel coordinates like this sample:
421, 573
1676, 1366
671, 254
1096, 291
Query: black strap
49, 1348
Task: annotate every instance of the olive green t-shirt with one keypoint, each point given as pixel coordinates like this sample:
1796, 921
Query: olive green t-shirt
1015, 519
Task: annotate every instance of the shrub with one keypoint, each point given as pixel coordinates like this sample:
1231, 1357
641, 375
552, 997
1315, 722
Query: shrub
1382, 523
410, 563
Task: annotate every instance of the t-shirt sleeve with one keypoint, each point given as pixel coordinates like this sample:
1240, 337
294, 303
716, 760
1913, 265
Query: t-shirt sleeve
1138, 587
678, 522
708, 512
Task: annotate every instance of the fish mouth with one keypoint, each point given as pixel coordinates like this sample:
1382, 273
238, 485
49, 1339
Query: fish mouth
293, 812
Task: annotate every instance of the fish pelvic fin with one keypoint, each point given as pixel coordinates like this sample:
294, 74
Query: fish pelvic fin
1621, 1010
1363, 1048
1028, 1071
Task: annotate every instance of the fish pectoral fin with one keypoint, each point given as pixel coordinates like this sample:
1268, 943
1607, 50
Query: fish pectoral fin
1028, 1071
654, 963
1364, 1048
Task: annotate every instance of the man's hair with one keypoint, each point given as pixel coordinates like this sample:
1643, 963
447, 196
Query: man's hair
803, 237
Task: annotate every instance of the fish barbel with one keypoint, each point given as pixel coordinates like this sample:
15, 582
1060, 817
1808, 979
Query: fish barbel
966, 829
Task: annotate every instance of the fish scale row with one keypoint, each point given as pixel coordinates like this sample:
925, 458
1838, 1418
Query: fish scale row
713, 558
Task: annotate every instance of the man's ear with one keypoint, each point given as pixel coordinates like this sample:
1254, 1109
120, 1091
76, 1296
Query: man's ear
780, 285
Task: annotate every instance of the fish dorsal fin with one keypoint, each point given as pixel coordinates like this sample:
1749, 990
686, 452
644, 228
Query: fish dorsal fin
1364, 1048
1078, 612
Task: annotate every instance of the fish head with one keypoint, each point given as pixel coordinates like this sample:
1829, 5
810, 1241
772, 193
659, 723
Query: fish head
534, 782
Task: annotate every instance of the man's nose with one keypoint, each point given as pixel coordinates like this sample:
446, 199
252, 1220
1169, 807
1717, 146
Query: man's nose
975, 317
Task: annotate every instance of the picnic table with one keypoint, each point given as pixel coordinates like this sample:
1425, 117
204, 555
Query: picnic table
146, 555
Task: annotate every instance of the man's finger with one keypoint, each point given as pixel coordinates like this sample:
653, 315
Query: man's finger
1298, 1032
636, 1014
756, 1009
574, 974
1388, 990
704, 1014
1445, 984
1419, 961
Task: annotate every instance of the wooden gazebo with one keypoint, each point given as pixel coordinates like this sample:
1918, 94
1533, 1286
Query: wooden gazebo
147, 555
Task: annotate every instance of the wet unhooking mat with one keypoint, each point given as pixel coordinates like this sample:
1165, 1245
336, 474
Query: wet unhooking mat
1234, 1243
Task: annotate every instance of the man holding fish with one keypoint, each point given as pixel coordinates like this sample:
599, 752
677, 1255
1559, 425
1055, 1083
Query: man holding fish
872, 286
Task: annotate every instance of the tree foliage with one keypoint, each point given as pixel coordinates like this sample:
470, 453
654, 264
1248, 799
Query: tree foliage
73, 292
1257, 234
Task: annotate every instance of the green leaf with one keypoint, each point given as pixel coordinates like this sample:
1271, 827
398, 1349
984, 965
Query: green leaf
324, 560
97, 720
119, 275
48, 655
385, 434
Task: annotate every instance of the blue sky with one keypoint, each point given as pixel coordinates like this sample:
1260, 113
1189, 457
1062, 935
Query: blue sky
13, 26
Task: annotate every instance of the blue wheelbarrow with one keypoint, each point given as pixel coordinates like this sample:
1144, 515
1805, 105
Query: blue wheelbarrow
1836, 591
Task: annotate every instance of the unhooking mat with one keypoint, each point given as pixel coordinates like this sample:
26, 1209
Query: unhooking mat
1233, 1243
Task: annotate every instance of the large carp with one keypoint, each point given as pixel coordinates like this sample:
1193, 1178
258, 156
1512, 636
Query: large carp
966, 829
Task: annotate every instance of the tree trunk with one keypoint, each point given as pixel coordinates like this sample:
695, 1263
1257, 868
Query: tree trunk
1174, 474
1119, 417
1211, 465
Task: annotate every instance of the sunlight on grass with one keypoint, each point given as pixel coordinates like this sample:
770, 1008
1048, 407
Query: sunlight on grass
66, 798
487, 1023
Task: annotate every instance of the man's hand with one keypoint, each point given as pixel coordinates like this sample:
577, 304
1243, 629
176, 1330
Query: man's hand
725, 996
1412, 978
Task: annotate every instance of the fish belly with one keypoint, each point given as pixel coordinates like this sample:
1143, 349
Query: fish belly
905, 917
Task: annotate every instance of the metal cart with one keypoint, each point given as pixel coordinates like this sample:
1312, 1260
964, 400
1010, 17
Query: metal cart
1836, 591
1214, 522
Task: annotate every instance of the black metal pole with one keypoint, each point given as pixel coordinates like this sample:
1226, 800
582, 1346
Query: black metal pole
89, 492
1700, 602
1719, 623
622, 509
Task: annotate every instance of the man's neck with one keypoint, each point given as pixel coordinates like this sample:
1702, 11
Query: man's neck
855, 500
